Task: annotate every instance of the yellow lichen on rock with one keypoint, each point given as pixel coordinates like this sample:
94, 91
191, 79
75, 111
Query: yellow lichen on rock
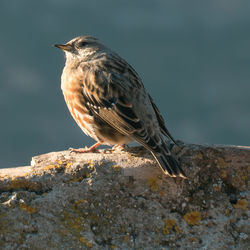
99, 163
242, 204
21, 183
192, 218
171, 224
126, 238
68, 164
78, 202
152, 183
223, 173
86, 242
221, 162
58, 164
199, 156
116, 168
28, 209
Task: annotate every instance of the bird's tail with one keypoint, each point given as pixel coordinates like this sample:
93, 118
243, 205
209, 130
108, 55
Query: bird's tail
167, 162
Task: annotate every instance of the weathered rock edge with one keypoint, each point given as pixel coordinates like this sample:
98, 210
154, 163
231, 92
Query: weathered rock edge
122, 200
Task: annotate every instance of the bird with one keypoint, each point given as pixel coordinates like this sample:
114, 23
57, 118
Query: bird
109, 102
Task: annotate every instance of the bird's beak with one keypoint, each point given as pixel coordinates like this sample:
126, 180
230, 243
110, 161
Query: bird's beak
66, 47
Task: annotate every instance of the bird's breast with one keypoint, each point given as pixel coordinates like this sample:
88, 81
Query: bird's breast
72, 90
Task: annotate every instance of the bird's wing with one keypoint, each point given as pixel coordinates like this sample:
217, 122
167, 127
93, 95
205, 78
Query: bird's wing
113, 96
161, 121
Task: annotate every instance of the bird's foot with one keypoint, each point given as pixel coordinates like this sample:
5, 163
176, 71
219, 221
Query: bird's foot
92, 149
119, 147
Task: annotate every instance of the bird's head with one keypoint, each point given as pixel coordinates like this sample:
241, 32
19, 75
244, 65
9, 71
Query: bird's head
81, 48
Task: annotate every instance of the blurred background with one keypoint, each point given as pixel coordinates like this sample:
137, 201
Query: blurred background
193, 57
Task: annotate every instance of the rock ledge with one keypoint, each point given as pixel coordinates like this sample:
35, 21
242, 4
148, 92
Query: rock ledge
121, 200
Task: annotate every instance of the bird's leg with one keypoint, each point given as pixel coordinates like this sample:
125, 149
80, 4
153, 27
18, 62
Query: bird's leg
92, 149
119, 147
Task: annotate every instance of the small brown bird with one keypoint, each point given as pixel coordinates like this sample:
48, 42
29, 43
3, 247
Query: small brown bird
108, 101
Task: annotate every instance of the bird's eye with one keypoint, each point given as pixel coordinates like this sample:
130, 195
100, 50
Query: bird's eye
82, 44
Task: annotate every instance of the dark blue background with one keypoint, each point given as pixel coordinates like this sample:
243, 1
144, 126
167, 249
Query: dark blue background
193, 56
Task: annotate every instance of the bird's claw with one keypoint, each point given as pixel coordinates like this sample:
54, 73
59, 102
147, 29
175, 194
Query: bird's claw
119, 147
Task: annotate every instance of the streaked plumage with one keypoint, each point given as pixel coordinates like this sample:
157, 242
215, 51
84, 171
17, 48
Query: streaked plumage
108, 101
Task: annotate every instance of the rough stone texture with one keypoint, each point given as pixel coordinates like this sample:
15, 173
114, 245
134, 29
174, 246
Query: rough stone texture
121, 200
